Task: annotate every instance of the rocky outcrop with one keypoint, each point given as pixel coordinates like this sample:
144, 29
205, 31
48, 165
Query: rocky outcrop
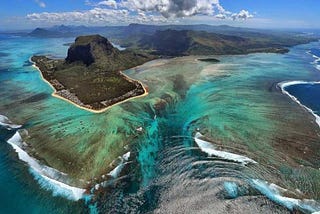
97, 50
89, 49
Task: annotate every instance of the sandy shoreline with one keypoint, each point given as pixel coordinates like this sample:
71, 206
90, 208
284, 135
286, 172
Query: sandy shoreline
54, 93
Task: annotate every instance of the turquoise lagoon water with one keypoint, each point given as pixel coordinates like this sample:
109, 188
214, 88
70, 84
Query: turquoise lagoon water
236, 104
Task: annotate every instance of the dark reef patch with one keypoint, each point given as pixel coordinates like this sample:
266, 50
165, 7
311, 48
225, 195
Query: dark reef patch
36, 98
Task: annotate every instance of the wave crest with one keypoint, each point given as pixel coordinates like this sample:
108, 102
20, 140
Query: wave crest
274, 193
210, 149
6, 123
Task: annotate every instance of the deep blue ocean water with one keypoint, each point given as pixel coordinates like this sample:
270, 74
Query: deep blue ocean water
307, 94
315, 51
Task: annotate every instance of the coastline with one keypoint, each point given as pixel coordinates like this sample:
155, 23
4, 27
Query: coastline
54, 93
47, 177
285, 84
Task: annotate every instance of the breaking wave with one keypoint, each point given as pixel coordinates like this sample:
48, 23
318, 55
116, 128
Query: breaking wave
274, 193
210, 149
117, 170
6, 123
316, 57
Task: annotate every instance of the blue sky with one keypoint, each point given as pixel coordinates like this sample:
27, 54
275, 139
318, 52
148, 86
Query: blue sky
24, 14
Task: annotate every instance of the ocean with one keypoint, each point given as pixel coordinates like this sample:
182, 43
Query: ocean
221, 137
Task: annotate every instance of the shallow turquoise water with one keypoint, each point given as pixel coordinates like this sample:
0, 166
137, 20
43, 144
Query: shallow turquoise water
236, 105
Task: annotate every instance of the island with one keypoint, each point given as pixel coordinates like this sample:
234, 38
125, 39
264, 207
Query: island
211, 60
90, 76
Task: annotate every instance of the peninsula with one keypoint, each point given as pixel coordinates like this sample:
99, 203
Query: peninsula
90, 77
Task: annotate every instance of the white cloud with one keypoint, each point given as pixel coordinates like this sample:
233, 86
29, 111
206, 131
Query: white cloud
221, 16
99, 16
106, 3
140, 11
109, 3
172, 8
243, 15
40, 3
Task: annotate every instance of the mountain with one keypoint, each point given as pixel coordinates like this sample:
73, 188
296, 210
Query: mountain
129, 36
45, 33
187, 42
97, 50
180, 40
89, 49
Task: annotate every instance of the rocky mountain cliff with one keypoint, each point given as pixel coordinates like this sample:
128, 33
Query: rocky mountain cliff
90, 49
98, 51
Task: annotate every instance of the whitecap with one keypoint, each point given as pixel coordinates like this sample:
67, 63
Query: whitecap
117, 170
210, 149
46, 176
316, 61
114, 173
6, 123
58, 188
273, 192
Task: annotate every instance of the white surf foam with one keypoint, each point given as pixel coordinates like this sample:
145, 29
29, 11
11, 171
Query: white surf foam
116, 171
210, 149
6, 123
273, 192
46, 176
316, 61
283, 85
